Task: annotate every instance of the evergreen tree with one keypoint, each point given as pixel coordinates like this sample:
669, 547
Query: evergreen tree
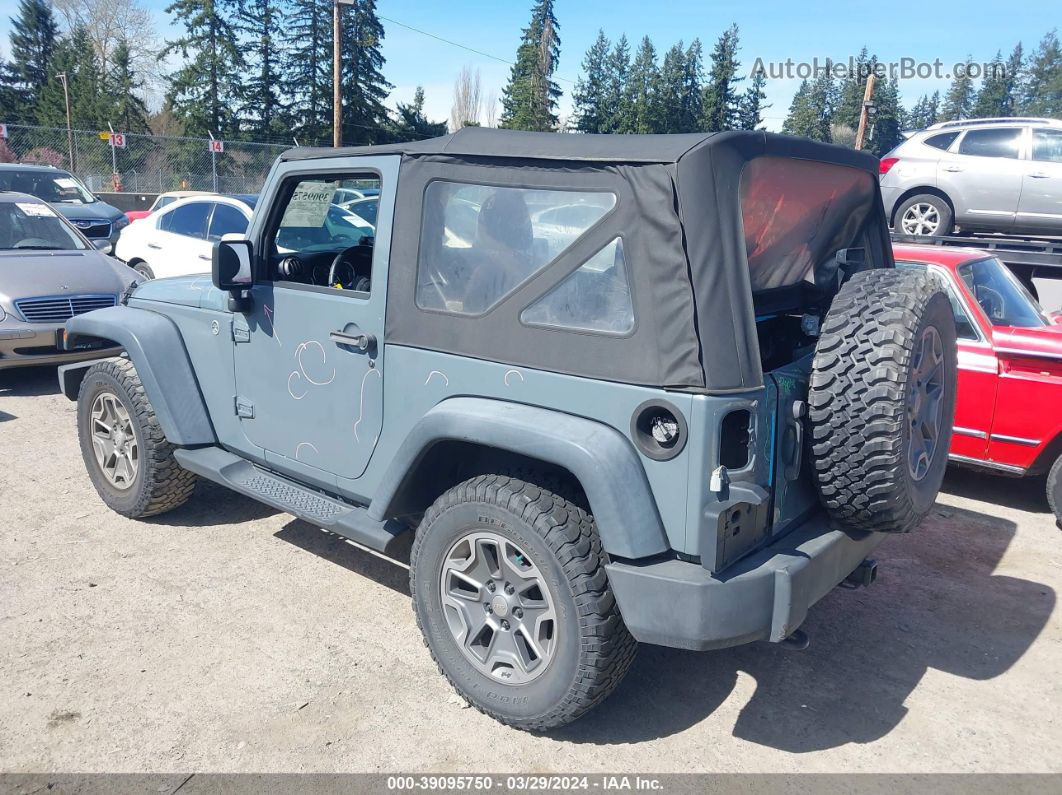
309, 69
849, 100
75, 58
800, 119
615, 99
692, 88
720, 102
411, 124
669, 92
991, 99
811, 112
592, 114
127, 111
264, 109
206, 92
1041, 91
1012, 81
640, 89
751, 108
365, 118
34, 39
529, 101
959, 101
11, 97
888, 118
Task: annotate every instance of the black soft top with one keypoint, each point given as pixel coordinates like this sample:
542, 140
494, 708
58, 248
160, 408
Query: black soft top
695, 262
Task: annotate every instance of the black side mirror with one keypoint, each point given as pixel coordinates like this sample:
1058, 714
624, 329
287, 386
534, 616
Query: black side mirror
231, 265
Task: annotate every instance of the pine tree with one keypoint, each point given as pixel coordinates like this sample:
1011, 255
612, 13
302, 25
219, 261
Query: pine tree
991, 99
529, 101
640, 98
34, 39
1012, 81
365, 117
75, 58
592, 115
692, 88
750, 111
206, 92
11, 98
1041, 91
887, 119
411, 124
959, 101
720, 101
849, 102
618, 68
310, 69
127, 111
669, 92
811, 112
264, 109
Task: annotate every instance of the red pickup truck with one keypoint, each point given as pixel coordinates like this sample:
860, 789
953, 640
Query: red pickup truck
1008, 412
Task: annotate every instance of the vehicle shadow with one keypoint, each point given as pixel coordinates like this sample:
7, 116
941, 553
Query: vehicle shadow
937, 604
211, 505
337, 550
1023, 494
29, 382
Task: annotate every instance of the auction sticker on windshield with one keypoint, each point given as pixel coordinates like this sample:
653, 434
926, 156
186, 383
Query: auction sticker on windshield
309, 204
35, 210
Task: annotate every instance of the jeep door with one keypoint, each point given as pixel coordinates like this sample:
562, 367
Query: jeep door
309, 347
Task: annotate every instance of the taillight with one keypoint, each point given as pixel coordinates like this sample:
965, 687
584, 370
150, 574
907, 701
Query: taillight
885, 164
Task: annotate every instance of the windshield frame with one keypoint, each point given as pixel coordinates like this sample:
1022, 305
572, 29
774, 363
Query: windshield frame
1020, 292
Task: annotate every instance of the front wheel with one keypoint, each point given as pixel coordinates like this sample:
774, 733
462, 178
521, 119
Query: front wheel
510, 592
145, 271
1054, 490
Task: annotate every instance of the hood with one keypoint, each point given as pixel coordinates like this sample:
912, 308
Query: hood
194, 290
27, 274
97, 211
1046, 341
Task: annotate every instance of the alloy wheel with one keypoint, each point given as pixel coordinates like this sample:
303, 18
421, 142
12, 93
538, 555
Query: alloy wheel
114, 441
920, 219
925, 408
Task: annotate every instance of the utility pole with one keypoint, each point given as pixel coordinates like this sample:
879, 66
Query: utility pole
865, 112
69, 129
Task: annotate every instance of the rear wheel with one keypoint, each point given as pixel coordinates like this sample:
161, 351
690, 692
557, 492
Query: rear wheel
882, 400
143, 269
510, 592
128, 458
925, 215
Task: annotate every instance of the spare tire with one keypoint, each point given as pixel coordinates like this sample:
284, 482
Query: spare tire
882, 400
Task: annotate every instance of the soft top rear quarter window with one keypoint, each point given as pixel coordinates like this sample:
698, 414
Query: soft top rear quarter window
797, 214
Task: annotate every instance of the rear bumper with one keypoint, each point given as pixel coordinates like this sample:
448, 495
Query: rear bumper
763, 597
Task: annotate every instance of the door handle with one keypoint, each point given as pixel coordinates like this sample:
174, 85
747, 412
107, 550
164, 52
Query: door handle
953, 169
360, 341
1039, 175
153, 245
204, 256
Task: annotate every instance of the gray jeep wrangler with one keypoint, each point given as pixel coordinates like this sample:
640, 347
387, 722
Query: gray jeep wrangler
611, 389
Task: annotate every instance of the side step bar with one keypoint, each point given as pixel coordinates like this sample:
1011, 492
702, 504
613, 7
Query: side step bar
343, 519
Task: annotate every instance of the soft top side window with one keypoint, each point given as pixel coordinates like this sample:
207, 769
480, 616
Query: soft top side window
479, 243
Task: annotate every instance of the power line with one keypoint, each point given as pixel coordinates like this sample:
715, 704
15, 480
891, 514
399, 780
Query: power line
462, 46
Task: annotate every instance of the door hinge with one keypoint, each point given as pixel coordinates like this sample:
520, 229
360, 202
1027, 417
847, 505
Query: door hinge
244, 408
240, 333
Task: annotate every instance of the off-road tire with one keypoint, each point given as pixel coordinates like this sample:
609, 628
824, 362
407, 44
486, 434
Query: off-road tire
946, 218
594, 647
861, 382
160, 484
1054, 490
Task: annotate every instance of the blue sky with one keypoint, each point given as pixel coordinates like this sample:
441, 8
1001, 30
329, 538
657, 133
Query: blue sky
770, 30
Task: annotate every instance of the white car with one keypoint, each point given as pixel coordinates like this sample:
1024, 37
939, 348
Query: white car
179, 239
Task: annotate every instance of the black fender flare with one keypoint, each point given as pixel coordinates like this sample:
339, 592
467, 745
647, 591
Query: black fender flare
154, 344
600, 457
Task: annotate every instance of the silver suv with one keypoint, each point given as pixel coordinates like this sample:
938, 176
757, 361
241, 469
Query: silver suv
983, 175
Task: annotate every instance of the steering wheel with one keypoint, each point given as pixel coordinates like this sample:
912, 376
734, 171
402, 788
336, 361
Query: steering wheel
991, 301
354, 282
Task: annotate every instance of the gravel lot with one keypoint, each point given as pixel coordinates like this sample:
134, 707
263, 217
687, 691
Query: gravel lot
227, 637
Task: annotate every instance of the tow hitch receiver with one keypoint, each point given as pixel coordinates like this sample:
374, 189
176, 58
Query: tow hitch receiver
863, 575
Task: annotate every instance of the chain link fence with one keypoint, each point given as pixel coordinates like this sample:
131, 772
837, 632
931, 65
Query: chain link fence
147, 163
